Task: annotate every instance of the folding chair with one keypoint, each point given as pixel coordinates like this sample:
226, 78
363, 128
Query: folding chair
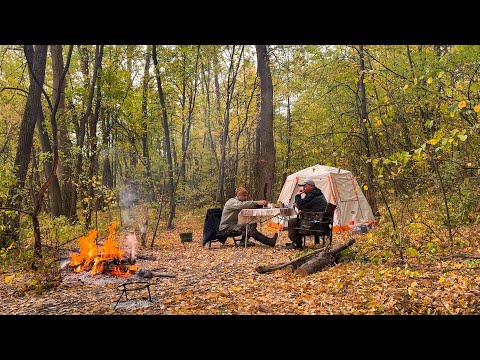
211, 226
317, 224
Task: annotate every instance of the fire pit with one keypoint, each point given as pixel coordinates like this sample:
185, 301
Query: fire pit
106, 259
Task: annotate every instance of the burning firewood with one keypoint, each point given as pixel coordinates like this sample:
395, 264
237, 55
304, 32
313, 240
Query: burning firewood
107, 259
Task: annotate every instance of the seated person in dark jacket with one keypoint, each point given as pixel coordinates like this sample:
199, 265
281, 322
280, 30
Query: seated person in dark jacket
229, 220
314, 200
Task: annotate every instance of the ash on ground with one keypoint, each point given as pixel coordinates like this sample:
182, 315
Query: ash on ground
98, 279
132, 304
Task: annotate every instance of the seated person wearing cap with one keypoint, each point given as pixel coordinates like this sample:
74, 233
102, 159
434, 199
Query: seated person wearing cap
314, 200
229, 220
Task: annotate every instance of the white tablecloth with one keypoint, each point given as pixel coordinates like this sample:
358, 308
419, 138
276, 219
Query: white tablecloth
247, 216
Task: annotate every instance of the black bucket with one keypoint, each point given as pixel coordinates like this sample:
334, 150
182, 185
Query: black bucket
186, 237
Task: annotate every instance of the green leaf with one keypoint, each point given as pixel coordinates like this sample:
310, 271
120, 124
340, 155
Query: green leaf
411, 252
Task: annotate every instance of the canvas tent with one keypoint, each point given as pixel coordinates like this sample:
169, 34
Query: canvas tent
339, 187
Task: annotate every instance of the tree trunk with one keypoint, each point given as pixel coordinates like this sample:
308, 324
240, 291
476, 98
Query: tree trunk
41, 192
370, 193
231, 80
166, 131
65, 170
38, 58
265, 158
289, 141
208, 112
107, 175
81, 129
146, 80
54, 191
188, 118
93, 141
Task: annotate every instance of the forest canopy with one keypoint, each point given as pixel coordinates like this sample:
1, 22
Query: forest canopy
124, 125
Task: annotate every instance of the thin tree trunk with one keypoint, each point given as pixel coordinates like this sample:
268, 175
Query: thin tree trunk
166, 131
146, 80
206, 78
65, 170
55, 195
187, 124
107, 178
93, 141
231, 80
370, 193
81, 130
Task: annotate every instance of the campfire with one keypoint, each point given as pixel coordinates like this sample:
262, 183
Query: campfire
106, 259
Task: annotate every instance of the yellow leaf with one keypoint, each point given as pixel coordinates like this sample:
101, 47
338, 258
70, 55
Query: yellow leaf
477, 108
415, 81
405, 87
9, 279
462, 104
411, 292
429, 81
415, 216
440, 74
450, 140
441, 280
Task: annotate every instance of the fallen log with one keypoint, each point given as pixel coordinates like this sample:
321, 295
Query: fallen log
310, 262
146, 257
323, 260
294, 263
158, 274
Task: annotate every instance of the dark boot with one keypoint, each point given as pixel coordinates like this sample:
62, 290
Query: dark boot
266, 240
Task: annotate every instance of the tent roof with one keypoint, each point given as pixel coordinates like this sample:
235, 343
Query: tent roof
317, 170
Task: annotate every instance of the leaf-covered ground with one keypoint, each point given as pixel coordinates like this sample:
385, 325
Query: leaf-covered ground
222, 280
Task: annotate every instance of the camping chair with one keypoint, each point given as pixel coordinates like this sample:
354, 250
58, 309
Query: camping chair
319, 224
211, 232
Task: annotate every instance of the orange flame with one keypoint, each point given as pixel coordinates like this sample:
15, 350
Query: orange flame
93, 259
